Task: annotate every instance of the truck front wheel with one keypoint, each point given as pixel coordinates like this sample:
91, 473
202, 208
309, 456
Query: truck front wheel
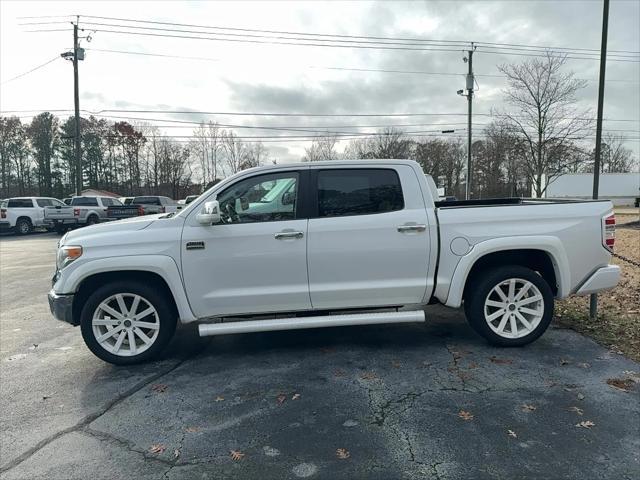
127, 322
509, 306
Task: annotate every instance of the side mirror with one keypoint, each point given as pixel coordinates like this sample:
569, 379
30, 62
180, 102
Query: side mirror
288, 198
209, 214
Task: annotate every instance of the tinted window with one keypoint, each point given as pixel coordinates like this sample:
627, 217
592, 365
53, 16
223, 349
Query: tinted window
358, 192
106, 201
146, 201
127, 201
84, 201
57, 203
265, 198
20, 203
44, 202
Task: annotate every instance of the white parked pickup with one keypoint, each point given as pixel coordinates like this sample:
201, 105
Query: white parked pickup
350, 242
23, 214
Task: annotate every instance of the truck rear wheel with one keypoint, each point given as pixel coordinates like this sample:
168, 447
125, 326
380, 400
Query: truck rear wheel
509, 306
127, 322
23, 226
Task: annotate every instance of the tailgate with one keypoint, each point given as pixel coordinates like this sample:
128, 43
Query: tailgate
123, 211
58, 213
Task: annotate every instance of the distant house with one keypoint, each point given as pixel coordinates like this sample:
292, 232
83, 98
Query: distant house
93, 192
620, 188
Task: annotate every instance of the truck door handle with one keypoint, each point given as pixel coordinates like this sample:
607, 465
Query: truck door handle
412, 228
286, 235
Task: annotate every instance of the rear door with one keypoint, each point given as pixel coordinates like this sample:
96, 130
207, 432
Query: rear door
368, 243
255, 261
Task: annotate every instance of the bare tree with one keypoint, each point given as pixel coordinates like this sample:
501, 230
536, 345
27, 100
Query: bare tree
235, 151
207, 145
387, 143
545, 119
255, 155
615, 157
322, 148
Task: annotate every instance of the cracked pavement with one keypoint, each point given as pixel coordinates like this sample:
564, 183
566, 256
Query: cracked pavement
390, 395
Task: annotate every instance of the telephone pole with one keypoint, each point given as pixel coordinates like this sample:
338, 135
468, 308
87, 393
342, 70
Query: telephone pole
76, 100
470, 85
470, 82
593, 303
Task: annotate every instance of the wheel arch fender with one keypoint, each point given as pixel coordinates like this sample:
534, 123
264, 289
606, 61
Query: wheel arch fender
161, 265
551, 246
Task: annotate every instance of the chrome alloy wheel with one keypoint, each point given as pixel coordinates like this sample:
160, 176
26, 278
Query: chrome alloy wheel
514, 308
125, 324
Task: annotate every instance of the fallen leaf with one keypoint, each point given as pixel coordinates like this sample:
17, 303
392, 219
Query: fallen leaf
159, 388
368, 376
578, 410
219, 399
296, 396
176, 453
157, 448
500, 361
342, 453
564, 361
192, 429
472, 365
584, 365
580, 396
528, 408
585, 424
512, 434
623, 384
463, 414
236, 455
281, 398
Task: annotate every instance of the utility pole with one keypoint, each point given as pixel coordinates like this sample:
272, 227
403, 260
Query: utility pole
76, 100
470, 83
593, 303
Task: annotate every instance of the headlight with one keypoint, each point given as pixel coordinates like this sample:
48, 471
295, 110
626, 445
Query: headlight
67, 254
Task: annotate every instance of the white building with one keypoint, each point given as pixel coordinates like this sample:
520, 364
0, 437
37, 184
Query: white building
620, 188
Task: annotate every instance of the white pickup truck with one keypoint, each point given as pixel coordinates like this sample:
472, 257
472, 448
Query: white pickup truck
22, 214
341, 243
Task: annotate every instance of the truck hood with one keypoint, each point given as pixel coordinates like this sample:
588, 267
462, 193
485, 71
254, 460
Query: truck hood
127, 224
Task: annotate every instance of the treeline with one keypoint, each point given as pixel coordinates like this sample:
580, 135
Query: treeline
38, 158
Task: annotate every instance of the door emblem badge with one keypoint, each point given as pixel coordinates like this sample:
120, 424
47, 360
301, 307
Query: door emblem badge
195, 245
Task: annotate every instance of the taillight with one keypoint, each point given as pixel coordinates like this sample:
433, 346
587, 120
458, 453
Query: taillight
76, 212
163, 210
140, 210
3, 213
609, 231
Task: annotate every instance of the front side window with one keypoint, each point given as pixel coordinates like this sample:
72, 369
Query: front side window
265, 198
361, 191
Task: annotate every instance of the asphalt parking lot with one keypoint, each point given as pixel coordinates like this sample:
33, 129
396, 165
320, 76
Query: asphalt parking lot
399, 401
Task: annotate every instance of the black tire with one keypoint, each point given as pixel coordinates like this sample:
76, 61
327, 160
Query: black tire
92, 220
157, 297
61, 229
480, 288
23, 227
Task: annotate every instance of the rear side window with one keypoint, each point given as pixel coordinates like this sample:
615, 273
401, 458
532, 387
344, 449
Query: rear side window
146, 201
44, 202
84, 201
20, 203
358, 192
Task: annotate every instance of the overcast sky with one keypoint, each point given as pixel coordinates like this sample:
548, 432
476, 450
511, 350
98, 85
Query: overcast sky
258, 77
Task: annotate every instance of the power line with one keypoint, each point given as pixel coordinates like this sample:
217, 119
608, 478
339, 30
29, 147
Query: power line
32, 70
339, 36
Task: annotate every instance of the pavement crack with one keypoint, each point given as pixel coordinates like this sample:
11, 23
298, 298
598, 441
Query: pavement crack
95, 415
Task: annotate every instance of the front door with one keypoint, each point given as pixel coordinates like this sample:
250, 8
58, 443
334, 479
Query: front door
254, 261
368, 242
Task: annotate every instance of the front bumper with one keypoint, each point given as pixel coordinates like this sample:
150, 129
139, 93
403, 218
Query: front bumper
602, 279
61, 307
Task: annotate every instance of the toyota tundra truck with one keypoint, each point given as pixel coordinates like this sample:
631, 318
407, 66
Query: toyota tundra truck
329, 244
